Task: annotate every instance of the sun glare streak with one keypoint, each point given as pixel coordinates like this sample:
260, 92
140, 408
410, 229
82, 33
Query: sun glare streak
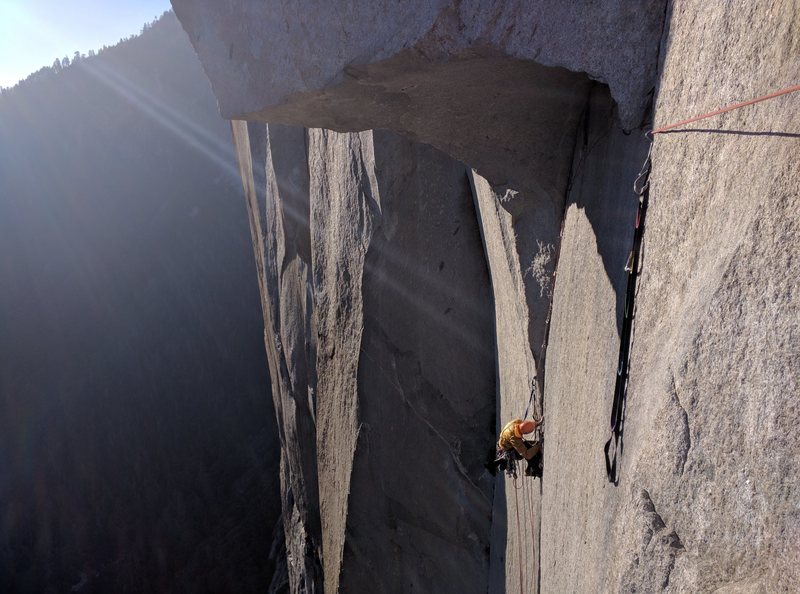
161, 106
36, 113
33, 167
430, 282
173, 114
192, 135
208, 145
30, 114
412, 299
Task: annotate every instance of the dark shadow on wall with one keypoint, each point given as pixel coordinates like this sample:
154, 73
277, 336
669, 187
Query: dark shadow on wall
607, 161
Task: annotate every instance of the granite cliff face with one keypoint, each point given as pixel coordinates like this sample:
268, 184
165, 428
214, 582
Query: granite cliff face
407, 288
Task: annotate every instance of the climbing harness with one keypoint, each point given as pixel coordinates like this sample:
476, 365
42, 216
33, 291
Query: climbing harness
642, 188
506, 461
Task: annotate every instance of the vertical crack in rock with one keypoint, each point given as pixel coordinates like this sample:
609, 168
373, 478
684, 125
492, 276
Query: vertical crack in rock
578, 510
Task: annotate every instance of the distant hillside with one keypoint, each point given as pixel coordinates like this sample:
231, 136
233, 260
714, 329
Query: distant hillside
137, 437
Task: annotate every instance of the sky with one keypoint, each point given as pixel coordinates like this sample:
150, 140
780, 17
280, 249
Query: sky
33, 33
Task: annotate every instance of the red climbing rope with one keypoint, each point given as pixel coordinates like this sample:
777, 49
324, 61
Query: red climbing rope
786, 91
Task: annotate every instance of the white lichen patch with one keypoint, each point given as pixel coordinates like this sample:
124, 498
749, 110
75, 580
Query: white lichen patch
540, 269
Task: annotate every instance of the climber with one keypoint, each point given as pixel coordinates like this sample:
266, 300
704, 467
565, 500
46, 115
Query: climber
512, 445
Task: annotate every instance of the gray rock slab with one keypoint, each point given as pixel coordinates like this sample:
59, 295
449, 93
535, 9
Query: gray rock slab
261, 55
520, 238
344, 194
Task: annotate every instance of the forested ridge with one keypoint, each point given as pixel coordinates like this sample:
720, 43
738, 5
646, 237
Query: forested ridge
137, 436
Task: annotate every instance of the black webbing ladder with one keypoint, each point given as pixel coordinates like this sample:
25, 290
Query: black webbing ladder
642, 188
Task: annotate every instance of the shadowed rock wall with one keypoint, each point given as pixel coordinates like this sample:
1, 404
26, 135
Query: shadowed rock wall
401, 400
425, 384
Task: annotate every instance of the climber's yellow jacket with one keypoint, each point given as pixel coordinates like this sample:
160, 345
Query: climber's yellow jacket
511, 437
